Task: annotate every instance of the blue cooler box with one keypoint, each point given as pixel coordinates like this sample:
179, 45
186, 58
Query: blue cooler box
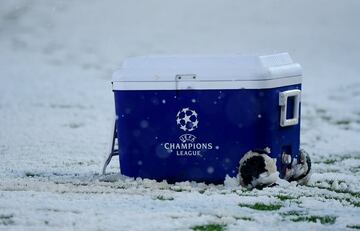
182, 118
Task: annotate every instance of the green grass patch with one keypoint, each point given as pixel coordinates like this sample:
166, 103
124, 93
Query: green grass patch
354, 194
6, 219
343, 122
320, 110
353, 156
32, 174
353, 226
315, 219
326, 117
119, 187
355, 169
285, 197
293, 213
349, 200
162, 198
178, 189
210, 227
329, 161
262, 207
244, 218
202, 191
355, 203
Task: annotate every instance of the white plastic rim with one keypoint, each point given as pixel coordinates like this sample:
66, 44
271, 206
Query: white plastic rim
205, 85
283, 99
208, 67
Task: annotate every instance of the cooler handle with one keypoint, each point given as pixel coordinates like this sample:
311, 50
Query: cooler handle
283, 99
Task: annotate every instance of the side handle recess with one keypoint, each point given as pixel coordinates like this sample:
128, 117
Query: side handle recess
283, 102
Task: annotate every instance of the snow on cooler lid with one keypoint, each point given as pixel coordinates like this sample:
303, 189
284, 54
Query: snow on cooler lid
207, 72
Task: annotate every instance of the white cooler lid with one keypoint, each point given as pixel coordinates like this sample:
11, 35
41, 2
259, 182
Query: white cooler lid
207, 72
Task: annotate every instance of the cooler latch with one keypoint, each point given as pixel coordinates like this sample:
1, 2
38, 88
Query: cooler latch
184, 81
283, 102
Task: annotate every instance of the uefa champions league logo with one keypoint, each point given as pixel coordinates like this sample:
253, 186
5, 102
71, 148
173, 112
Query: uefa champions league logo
187, 119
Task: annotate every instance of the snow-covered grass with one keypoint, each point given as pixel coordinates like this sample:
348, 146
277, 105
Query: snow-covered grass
56, 107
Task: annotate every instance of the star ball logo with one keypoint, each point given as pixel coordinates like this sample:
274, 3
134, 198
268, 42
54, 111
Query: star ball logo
187, 119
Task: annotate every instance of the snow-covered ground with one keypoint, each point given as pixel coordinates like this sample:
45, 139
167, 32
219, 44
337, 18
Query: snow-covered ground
56, 107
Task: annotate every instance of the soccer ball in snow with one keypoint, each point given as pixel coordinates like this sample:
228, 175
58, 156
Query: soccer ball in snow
300, 170
187, 119
257, 169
